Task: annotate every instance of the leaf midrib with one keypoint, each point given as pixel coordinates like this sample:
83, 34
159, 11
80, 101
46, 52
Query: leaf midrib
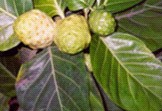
128, 72
54, 77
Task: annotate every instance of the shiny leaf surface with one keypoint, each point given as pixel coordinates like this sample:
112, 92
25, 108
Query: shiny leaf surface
127, 71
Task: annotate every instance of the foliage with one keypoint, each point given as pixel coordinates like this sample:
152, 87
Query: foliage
126, 68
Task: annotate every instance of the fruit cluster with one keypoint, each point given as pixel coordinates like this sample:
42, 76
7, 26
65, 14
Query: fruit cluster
71, 34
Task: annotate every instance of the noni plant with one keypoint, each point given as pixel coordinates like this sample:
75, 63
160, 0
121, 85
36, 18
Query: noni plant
80, 55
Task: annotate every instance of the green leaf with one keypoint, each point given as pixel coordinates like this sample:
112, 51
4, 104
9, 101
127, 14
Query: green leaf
95, 97
51, 7
53, 81
116, 5
15, 7
7, 82
96, 104
7, 39
74, 5
10, 61
9, 10
127, 71
4, 103
99, 100
145, 22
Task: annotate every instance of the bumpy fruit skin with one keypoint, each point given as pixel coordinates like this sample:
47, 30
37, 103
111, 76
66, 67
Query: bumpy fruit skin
35, 28
73, 34
102, 22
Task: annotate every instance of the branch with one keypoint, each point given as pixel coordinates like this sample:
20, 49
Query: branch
131, 14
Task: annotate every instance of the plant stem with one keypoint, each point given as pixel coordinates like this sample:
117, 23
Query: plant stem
86, 13
60, 12
131, 14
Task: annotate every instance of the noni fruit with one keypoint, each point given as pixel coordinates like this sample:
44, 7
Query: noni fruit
35, 29
101, 22
73, 34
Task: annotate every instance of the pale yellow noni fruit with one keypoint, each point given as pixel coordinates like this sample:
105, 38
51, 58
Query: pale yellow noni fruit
35, 29
72, 34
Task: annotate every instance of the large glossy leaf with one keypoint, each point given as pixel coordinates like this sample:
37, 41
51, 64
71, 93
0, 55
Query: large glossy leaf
79, 4
145, 22
128, 72
116, 5
9, 10
53, 81
7, 82
51, 7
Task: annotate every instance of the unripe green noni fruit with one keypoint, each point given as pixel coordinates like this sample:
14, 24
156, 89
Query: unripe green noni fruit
72, 34
35, 28
102, 22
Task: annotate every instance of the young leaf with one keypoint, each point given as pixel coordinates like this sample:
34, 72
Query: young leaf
144, 21
7, 82
116, 5
9, 10
53, 81
51, 7
127, 71
79, 4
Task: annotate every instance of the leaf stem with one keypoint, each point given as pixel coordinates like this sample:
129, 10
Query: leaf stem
62, 15
105, 2
86, 12
98, 2
60, 12
2, 10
